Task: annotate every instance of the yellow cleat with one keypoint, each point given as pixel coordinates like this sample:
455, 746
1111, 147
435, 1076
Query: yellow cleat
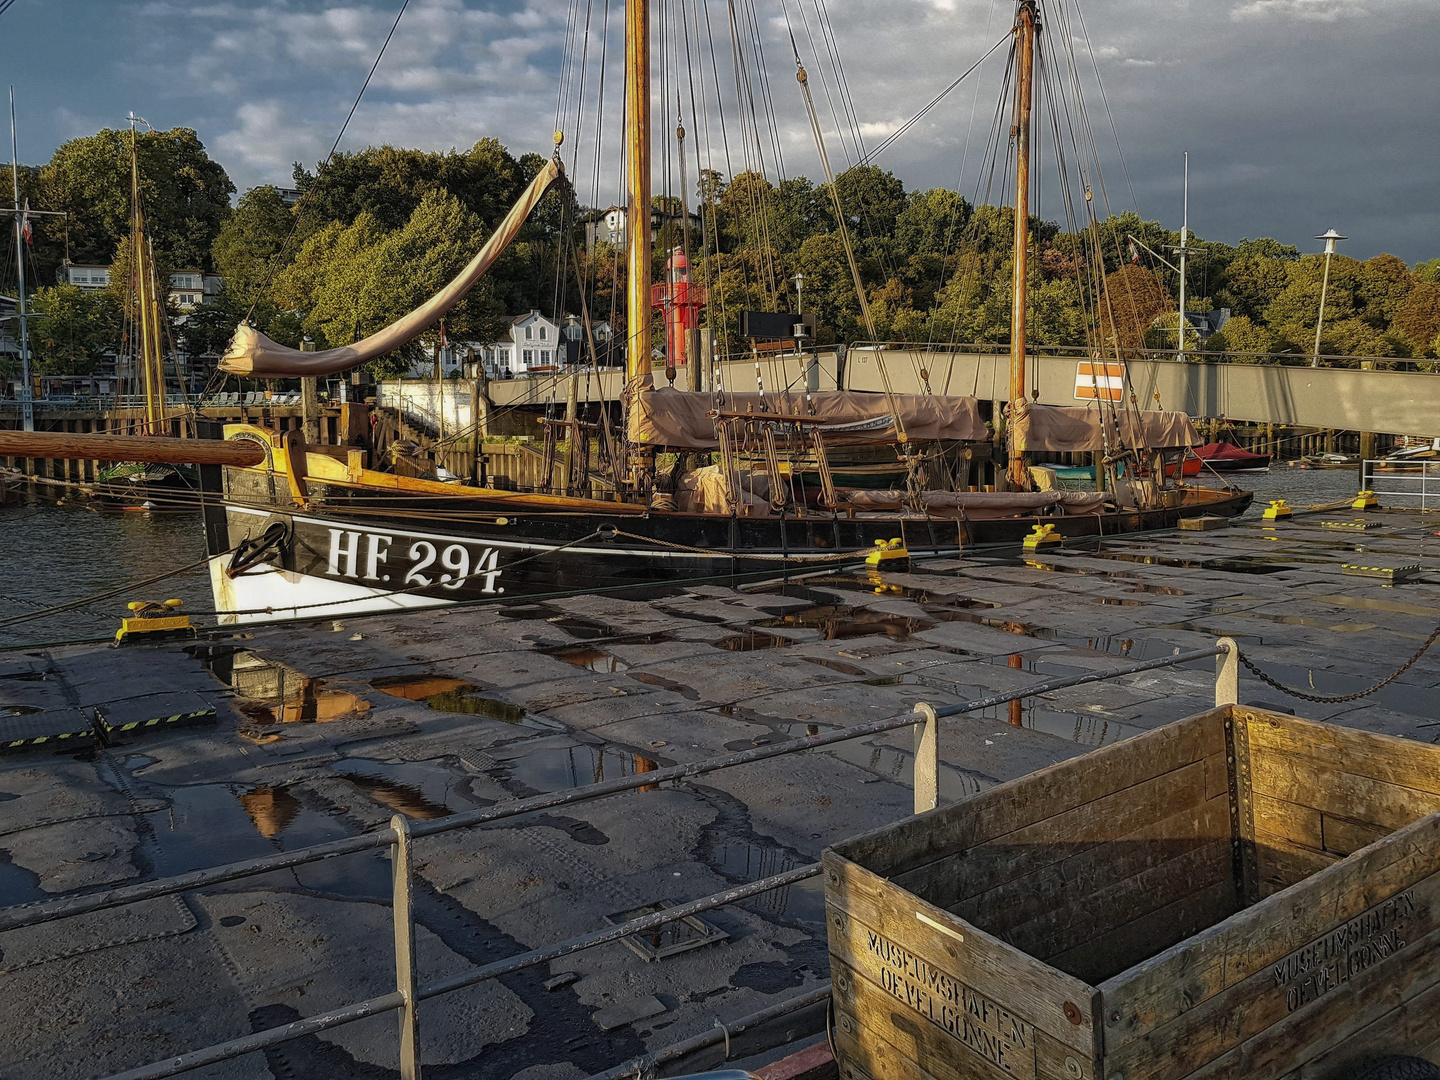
1041, 537
1366, 500
1278, 510
887, 551
151, 618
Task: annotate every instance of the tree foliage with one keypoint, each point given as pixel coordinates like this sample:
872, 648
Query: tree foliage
74, 329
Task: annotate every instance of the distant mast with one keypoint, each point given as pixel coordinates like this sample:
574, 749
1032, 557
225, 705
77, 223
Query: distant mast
637, 210
1184, 251
147, 301
27, 404
1026, 23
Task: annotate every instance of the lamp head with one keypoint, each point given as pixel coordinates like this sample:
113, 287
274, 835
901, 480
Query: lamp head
1331, 238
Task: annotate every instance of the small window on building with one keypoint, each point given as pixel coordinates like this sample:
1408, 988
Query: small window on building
542, 333
544, 356
529, 356
529, 332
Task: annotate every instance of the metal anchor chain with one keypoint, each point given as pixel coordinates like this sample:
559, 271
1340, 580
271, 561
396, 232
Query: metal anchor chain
1335, 699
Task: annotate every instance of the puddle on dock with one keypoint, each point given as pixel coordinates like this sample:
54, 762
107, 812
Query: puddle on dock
557, 768
650, 679
836, 665
420, 790
742, 861
272, 693
450, 695
589, 658
270, 809
840, 622
752, 641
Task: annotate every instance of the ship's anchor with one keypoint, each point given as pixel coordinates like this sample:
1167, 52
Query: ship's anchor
251, 551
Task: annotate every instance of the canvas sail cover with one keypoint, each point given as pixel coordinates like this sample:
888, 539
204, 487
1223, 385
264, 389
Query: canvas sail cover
1071, 429
253, 354
681, 419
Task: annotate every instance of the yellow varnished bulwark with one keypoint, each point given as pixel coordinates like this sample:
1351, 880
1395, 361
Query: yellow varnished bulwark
1238, 894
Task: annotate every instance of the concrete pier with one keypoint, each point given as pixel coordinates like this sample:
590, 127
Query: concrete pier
325, 731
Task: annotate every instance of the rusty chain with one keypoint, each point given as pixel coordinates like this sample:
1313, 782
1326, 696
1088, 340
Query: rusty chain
1335, 699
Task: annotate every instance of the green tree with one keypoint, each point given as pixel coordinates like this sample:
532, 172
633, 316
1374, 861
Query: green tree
1133, 298
1418, 318
1428, 271
932, 222
248, 251
185, 195
75, 329
349, 281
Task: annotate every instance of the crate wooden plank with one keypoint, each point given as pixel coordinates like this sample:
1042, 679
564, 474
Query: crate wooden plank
1177, 980
1217, 777
1104, 818
929, 837
1296, 823
1282, 863
1403, 1030
1342, 836
1156, 930
1315, 1033
946, 1039
1069, 885
1410, 764
1347, 794
872, 924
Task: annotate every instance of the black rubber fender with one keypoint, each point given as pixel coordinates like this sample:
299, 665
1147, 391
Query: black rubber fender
1399, 1068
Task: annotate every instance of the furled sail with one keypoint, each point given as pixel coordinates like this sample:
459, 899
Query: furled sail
682, 419
1073, 429
253, 354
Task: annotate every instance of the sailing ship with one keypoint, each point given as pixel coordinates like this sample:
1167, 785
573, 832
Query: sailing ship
144, 485
310, 533
702, 486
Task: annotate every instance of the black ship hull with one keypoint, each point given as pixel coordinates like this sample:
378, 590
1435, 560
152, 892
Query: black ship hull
365, 552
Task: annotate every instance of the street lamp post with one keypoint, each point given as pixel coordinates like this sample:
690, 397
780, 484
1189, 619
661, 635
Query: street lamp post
1330, 238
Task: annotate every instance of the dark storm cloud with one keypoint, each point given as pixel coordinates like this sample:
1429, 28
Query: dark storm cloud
1298, 114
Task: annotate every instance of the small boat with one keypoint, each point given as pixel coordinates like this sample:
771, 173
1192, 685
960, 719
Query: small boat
1327, 461
1227, 457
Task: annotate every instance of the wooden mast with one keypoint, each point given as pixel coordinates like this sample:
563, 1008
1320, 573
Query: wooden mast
1026, 23
142, 272
637, 210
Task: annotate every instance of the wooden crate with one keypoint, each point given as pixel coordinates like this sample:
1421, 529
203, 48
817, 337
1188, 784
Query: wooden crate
1239, 894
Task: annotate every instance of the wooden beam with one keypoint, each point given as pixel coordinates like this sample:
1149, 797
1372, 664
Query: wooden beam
73, 446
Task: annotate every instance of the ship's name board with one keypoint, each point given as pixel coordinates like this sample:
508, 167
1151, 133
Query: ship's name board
961, 1011
413, 563
1336, 957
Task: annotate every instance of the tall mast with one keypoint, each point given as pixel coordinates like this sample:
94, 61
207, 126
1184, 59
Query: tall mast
152, 364
1025, 28
1184, 250
27, 406
637, 210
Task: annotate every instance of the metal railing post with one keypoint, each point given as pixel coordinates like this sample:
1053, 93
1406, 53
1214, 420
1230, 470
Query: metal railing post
405, 981
927, 759
1227, 673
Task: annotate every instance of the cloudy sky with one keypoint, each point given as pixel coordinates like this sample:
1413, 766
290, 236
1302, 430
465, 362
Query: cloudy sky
1298, 114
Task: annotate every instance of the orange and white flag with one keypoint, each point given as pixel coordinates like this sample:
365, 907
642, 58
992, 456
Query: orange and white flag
1096, 380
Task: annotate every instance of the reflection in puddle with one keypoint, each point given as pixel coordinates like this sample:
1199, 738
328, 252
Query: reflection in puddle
752, 641
589, 658
272, 693
836, 665
803, 901
272, 809
445, 694
417, 791
556, 768
839, 622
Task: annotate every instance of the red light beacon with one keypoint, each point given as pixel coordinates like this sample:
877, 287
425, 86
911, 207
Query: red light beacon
681, 302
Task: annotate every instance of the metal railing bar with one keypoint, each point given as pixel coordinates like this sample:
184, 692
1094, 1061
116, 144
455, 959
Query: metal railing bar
641, 1066
389, 1002
45, 911
260, 1040
511, 964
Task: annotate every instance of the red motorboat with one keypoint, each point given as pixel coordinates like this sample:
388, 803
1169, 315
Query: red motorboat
1226, 457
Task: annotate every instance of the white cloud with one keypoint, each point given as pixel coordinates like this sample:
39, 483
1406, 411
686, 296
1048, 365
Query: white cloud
1308, 10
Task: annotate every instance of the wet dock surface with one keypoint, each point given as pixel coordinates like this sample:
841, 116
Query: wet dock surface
326, 731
